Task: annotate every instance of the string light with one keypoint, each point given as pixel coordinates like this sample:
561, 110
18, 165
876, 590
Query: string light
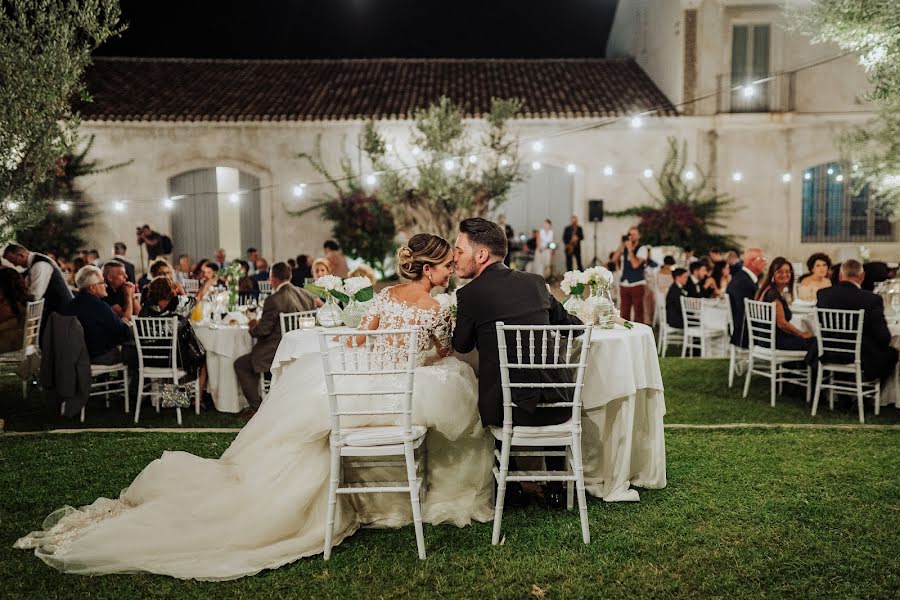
648, 173
298, 190
807, 176
786, 178
571, 168
504, 162
449, 164
415, 151
737, 176
608, 171
637, 121
12, 205
830, 171
64, 207
537, 146
168, 203
234, 198
839, 178
118, 206
372, 179
536, 165
473, 159
689, 175
749, 91
389, 147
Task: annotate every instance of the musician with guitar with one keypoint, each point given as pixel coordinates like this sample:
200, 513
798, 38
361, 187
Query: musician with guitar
572, 236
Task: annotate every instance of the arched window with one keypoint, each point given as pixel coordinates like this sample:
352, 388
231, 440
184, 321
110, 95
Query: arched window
833, 213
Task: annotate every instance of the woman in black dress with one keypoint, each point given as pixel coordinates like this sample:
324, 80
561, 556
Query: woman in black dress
780, 277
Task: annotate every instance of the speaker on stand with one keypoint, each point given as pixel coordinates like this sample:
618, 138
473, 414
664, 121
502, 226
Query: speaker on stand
595, 215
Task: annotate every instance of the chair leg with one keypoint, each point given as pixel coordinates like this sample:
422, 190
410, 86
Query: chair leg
684, 345
125, 391
808, 382
773, 380
332, 500
579, 485
749, 373
414, 496
831, 395
731, 358
877, 397
570, 485
140, 395
859, 396
197, 395
178, 414
818, 392
501, 487
82, 414
25, 388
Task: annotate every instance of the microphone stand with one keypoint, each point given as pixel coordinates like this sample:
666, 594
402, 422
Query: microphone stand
595, 261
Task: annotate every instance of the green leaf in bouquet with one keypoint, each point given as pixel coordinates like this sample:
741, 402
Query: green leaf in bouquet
577, 289
364, 295
341, 296
315, 290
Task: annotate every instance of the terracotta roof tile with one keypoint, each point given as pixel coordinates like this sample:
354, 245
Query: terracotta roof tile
153, 89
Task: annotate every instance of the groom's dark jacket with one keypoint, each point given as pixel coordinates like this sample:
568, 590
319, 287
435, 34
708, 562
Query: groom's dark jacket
516, 298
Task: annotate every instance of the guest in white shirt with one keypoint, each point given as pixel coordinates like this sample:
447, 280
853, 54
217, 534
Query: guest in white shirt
45, 279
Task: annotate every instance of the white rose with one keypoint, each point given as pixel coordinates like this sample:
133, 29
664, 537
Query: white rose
355, 284
330, 283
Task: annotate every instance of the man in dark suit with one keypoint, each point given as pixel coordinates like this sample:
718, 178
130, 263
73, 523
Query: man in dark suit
744, 283
878, 358
285, 298
573, 230
676, 292
497, 293
119, 250
699, 285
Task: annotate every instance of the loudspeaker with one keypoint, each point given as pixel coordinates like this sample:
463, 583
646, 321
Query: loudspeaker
595, 211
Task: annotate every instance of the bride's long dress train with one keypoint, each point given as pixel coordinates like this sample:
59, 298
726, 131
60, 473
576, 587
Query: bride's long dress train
262, 504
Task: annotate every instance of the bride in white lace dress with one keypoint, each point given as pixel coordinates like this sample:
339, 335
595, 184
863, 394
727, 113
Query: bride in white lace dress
263, 503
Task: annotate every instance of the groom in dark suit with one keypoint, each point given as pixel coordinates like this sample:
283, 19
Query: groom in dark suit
744, 284
497, 293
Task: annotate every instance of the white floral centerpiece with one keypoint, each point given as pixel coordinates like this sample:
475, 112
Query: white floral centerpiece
358, 292
865, 254
331, 289
598, 307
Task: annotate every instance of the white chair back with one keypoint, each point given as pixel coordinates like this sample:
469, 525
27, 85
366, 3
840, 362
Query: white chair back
660, 313
839, 333
31, 337
191, 286
156, 340
760, 317
291, 321
349, 371
265, 287
542, 349
691, 312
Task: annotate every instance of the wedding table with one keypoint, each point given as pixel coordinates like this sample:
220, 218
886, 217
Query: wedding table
623, 441
224, 343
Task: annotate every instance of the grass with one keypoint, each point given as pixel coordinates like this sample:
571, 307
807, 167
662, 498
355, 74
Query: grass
748, 513
696, 393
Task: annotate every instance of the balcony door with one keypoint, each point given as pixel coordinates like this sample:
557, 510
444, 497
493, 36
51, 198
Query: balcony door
750, 56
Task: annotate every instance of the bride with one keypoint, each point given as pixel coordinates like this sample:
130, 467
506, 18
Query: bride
262, 504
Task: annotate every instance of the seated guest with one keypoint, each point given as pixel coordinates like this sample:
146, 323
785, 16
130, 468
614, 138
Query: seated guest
721, 274
220, 259
209, 279
247, 286
715, 255
365, 271
699, 284
665, 277
674, 317
787, 337
744, 282
303, 271
198, 269
252, 257
104, 331
876, 272
119, 250
320, 268
262, 271
183, 269
93, 258
877, 356
14, 298
161, 268
817, 279
734, 261
292, 264
285, 298
119, 291
337, 262
76, 265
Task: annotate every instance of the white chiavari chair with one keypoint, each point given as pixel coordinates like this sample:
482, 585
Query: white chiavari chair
761, 326
545, 348
839, 336
31, 335
265, 287
352, 369
156, 339
291, 321
698, 335
667, 333
191, 286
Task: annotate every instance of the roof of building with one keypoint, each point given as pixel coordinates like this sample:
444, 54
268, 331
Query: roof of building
154, 89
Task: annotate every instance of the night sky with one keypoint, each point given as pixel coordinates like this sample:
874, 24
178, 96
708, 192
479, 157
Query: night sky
364, 28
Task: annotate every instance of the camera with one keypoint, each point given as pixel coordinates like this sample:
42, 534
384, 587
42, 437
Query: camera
625, 237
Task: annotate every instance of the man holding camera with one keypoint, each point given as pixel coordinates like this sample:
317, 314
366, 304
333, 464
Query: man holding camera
152, 240
633, 285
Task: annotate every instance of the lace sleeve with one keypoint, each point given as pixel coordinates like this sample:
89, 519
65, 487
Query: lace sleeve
370, 319
443, 331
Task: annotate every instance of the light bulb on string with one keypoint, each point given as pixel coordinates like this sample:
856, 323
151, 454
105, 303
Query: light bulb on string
415, 150
637, 121
473, 159
298, 190
371, 179
570, 168
537, 146
748, 90
389, 147
648, 173
12, 205
118, 206
234, 198
64, 206
689, 175
839, 178
786, 178
737, 176
807, 176
449, 164
608, 170
168, 203
830, 171
536, 165
504, 162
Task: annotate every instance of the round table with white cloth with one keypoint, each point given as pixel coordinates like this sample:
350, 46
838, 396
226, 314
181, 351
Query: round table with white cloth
224, 343
623, 441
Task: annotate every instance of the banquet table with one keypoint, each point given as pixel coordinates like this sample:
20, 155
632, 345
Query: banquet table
224, 343
623, 440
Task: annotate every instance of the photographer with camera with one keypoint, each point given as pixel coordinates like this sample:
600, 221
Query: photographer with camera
633, 285
157, 244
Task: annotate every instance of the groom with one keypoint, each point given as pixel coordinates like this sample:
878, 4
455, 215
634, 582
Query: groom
497, 293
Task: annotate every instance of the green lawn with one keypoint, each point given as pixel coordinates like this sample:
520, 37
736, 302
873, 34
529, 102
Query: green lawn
747, 513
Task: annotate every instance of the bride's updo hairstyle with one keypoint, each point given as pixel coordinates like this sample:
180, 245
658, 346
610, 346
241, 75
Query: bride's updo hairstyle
422, 249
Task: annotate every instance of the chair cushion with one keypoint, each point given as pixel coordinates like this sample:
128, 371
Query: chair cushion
158, 372
379, 436
789, 355
546, 431
100, 369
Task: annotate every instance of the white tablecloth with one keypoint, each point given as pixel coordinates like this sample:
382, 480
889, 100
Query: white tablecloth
624, 405
224, 344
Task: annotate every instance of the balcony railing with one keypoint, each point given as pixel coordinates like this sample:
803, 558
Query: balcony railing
755, 93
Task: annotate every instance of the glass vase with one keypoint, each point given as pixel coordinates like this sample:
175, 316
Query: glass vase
603, 306
354, 312
330, 315
232, 297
